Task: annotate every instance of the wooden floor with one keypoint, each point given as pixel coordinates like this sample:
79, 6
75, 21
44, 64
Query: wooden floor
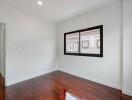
1, 88
54, 85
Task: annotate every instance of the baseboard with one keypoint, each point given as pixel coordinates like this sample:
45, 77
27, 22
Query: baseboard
127, 92
28, 77
106, 83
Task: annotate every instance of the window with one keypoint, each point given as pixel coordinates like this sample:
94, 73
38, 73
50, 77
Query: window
84, 42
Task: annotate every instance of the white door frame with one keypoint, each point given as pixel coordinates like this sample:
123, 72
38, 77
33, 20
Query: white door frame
3, 31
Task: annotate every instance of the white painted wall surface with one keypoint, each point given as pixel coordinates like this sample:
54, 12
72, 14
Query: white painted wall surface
30, 45
127, 47
106, 70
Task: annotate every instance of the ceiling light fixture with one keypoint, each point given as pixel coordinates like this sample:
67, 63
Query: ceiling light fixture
40, 3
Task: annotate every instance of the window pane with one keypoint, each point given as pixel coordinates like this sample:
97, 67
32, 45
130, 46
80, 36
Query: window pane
72, 43
90, 42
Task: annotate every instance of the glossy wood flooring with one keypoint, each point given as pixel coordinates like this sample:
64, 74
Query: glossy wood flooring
54, 85
1, 88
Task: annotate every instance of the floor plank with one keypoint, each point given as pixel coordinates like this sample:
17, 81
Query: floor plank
54, 85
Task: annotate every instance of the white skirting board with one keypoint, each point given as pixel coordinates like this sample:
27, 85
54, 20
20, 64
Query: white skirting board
124, 91
127, 92
33, 75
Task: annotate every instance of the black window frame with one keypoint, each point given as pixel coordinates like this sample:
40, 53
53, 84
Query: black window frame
86, 54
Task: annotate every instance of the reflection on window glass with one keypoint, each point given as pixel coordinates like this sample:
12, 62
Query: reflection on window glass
90, 41
72, 43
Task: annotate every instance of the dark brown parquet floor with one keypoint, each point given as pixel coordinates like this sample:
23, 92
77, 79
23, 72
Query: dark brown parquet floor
1, 88
53, 86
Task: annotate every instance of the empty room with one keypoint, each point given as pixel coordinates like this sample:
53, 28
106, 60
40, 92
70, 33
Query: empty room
65, 49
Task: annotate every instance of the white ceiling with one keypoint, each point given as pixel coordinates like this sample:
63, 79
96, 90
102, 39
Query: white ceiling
56, 10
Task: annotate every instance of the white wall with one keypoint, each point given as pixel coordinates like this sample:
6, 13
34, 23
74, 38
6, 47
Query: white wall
127, 47
106, 70
30, 45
